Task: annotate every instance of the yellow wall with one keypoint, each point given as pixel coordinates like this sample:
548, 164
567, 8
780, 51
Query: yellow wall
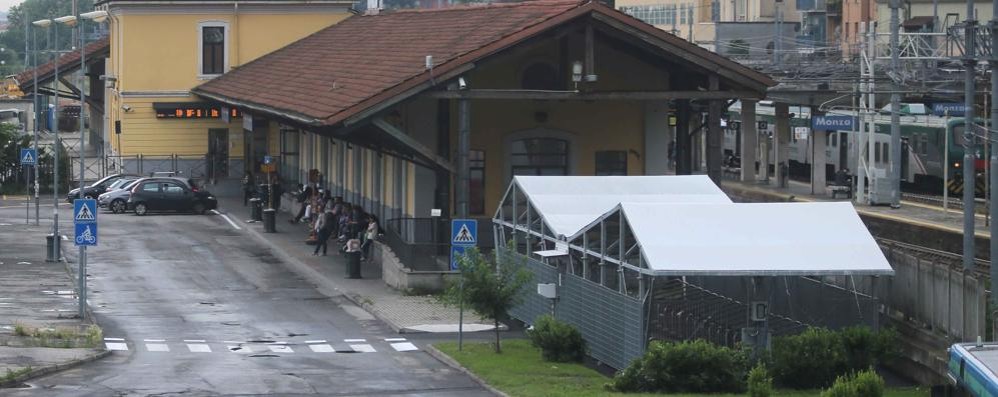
158, 54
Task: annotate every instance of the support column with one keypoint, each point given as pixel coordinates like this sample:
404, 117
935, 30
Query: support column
781, 138
765, 156
657, 138
750, 144
684, 146
818, 175
714, 135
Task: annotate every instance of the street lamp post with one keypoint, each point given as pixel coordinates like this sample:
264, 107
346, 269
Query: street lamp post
45, 23
34, 108
81, 262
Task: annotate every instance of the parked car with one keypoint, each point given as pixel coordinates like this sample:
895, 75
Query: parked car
169, 194
116, 199
97, 188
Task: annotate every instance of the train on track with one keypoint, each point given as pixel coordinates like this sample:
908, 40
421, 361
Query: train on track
928, 142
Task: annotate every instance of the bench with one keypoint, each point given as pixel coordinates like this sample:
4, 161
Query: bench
835, 190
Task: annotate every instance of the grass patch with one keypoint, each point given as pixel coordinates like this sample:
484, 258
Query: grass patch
519, 371
10, 376
60, 337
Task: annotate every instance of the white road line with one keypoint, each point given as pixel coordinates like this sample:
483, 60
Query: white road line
198, 348
194, 340
322, 348
354, 340
315, 341
234, 342
395, 340
116, 346
363, 348
280, 349
404, 347
154, 340
227, 219
277, 343
157, 347
115, 339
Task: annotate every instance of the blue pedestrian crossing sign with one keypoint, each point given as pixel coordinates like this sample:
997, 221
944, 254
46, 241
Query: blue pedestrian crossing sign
464, 232
456, 251
29, 156
86, 234
84, 211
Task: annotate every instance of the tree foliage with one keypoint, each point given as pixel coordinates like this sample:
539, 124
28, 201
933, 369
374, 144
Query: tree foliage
32, 10
489, 288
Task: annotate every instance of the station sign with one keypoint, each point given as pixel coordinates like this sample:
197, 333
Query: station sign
833, 123
952, 109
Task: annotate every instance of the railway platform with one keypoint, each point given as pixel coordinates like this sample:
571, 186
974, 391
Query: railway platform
915, 223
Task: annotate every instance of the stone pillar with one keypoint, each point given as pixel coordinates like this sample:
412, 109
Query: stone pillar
750, 144
657, 137
684, 146
781, 138
818, 158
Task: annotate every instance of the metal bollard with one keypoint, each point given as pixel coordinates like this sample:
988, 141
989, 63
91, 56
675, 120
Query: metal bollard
52, 248
353, 264
269, 220
257, 209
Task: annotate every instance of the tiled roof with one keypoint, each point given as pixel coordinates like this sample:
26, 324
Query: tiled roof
68, 61
340, 71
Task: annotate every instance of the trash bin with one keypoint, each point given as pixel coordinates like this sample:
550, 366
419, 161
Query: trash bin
52, 248
269, 220
353, 264
257, 205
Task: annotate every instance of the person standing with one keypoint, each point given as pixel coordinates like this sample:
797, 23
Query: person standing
276, 192
327, 223
247, 188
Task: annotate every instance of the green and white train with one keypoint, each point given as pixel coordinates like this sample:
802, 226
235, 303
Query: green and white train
924, 139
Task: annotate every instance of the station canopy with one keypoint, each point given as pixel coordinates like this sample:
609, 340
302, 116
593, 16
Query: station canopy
686, 226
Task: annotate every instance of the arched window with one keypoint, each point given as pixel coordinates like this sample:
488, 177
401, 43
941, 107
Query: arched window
539, 156
540, 76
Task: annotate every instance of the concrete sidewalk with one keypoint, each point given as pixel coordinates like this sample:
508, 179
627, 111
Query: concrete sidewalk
35, 294
404, 314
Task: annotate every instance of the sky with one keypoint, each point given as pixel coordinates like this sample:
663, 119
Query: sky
6, 4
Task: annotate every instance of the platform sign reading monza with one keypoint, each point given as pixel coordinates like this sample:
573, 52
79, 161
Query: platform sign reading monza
833, 123
85, 221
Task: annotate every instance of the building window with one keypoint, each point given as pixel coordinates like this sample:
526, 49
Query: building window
682, 14
611, 162
476, 174
539, 156
213, 39
289, 156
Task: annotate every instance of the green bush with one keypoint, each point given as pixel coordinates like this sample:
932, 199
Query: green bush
759, 382
558, 340
862, 384
686, 367
817, 356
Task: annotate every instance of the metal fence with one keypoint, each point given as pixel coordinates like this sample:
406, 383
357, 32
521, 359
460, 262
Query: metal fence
612, 324
423, 244
192, 165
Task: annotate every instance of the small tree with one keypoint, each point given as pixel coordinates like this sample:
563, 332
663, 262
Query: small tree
490, 288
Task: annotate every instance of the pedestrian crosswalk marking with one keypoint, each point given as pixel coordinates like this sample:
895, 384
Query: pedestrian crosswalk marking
464, 235
198, 348
116, 346
157, 347
395, 340
315, 341
324, 348
354, 340
85, 214
280, 349
404, 347
363, 348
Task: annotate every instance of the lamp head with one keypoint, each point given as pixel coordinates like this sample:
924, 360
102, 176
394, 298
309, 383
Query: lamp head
68, 20
42, 23
96, 16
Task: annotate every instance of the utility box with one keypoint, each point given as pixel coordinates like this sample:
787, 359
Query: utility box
549, 291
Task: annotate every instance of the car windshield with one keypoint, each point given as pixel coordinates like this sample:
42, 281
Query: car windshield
118, 184
129, 183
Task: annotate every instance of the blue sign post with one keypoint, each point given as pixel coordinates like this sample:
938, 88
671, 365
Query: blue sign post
29, 157
833, 123
949, 109
464, 234
85, 221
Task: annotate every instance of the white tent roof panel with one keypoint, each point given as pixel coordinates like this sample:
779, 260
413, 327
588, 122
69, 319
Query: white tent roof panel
570, 203
759, 239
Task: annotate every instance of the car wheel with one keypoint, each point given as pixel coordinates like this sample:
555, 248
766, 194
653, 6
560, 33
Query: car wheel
141, 209
118, 206
198, 208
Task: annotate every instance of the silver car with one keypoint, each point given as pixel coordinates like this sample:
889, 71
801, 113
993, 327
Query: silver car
116, 199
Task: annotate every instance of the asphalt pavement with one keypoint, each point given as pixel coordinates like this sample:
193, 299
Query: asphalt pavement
191, 305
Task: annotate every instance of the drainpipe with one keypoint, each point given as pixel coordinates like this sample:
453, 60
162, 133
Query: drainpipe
235, 35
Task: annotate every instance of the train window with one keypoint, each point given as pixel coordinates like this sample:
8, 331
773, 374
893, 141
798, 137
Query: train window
887, 151
924, 146
828, 140
876, 152
958, 135
835, 139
